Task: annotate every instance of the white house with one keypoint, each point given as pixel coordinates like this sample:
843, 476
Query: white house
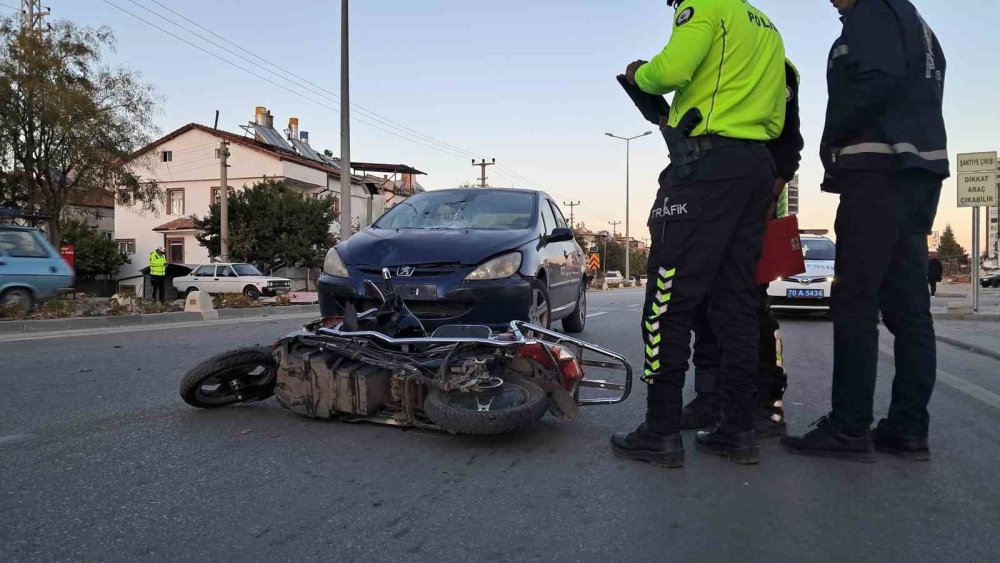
186, 165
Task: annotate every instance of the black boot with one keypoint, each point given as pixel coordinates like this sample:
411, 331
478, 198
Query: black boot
888, 440
826, 441
664, 450
738, 447
769, 420
701, 412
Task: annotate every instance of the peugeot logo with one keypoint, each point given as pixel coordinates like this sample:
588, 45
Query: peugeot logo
405, 271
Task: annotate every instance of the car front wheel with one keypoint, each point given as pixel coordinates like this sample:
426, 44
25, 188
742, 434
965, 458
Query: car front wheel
540, 311
576, 322
251, 292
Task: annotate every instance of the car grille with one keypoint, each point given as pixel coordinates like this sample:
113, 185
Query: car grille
422, 270
439, 309
805, 280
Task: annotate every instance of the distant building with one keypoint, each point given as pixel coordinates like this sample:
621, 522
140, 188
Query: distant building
186, 164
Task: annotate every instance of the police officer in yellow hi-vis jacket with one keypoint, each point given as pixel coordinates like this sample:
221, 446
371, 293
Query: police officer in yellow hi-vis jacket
158, 273
725, 61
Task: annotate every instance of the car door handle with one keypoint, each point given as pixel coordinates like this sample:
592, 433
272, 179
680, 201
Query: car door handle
3, 263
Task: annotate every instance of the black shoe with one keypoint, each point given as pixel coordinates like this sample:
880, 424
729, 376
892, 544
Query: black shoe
701, 412
826, 441
769, 422
642, 445
740, 448
888, 440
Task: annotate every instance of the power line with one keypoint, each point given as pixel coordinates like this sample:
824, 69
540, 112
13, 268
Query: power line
268, 80
319, 90
403, 132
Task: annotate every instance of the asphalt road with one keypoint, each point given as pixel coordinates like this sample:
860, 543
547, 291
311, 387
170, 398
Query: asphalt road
101, 460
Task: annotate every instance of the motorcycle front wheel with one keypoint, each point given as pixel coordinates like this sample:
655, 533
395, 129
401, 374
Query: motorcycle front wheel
239, 376
517, 403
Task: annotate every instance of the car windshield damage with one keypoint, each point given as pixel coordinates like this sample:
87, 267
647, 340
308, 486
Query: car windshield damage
246, 270
486, 210
819, 249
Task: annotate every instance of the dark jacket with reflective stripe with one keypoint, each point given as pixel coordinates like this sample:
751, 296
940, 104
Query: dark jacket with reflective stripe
885, 79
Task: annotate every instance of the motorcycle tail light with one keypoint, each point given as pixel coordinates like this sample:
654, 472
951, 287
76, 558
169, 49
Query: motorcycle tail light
570, 368
536, 351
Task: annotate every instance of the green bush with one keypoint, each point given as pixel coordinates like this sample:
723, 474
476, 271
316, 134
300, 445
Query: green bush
56, 309
11, 313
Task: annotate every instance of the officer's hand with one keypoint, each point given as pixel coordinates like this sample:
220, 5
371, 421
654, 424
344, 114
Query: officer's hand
630, 70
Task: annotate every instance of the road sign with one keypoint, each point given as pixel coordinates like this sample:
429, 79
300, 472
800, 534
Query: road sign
977, 162
977, 189
594, 261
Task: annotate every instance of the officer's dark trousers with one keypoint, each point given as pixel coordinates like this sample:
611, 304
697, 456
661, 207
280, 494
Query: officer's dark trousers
158, 287
771, 378
706, 228
882, 225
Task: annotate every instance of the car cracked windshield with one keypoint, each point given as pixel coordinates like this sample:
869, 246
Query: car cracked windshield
461, 210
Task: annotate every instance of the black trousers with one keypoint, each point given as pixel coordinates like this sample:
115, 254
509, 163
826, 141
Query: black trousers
158, 287
771, 378
882, 225
706, 228
933, 287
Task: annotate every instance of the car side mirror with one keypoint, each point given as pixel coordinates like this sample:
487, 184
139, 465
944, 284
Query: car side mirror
560, 234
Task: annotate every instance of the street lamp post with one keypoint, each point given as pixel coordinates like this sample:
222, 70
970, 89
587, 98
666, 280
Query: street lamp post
628, 143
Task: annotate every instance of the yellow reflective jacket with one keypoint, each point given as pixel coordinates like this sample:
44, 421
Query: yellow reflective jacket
727, 59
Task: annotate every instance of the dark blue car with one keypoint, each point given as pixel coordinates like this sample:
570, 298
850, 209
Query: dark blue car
466, 256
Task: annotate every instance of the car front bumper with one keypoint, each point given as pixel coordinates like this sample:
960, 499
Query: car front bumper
436, 300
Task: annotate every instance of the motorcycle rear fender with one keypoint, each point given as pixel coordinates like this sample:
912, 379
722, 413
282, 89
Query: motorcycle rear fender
561, 402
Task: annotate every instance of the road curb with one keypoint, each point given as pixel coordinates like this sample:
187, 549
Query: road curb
84, 323
985, 317
970, 347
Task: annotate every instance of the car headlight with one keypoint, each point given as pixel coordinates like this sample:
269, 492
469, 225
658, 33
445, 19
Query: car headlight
503, 266
333, 265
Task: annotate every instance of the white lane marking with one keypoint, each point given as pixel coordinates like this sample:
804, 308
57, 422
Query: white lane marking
592, 315
956, 382
634, 306
14, 439
145, 328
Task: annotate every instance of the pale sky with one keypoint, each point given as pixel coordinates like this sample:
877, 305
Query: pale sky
531, 84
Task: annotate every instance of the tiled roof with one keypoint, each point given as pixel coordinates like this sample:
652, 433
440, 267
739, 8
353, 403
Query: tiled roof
182, 224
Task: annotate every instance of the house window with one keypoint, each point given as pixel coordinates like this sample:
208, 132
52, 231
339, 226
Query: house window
107, 235
175, 202
168, 156
175, 250
126, 246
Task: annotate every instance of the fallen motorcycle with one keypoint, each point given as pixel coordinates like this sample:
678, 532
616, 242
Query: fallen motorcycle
381, 366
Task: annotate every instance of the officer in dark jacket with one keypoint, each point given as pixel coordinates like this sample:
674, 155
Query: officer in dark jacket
769, 418
935, 272
884, 149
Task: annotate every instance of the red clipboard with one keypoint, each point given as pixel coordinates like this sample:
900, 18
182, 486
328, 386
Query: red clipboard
782, 255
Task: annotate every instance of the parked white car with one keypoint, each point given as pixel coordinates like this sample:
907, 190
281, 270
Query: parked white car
809, 291
614, 278
232, 278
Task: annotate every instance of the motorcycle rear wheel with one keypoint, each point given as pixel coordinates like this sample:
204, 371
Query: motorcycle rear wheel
208, 385
520, 403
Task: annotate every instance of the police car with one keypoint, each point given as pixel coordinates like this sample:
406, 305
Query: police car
809, 291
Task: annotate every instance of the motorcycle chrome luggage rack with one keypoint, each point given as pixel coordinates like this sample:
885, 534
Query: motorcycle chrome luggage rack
519, 329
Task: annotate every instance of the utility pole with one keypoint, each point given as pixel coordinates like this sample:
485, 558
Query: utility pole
614, 228
346, 219
628, 144
483, 165
32, 13
571, 205
224, 201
